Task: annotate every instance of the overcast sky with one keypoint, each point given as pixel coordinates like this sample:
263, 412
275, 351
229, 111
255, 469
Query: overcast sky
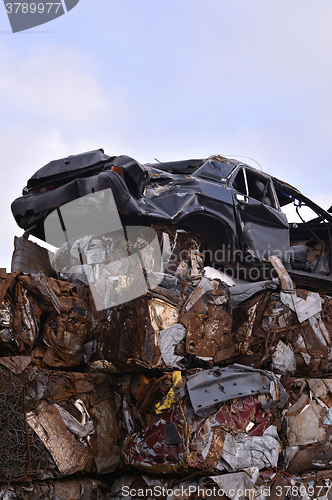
169, 79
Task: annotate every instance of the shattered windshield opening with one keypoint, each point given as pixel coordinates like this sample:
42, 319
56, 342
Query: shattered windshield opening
216, 169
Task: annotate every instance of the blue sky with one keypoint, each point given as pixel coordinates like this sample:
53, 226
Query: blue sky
169, 79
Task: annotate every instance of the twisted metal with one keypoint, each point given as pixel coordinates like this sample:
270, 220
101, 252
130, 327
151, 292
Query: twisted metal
22, 454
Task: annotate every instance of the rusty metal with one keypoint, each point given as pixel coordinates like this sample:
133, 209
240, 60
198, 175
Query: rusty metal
208, 322
22, 454
145, 416
64, 335
135, 341
26, 322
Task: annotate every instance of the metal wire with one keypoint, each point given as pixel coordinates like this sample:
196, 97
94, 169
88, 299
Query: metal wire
22, 453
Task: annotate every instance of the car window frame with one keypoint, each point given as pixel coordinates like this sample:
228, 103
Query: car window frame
244, 168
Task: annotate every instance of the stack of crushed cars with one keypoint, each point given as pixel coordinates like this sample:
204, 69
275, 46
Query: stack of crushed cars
196, 389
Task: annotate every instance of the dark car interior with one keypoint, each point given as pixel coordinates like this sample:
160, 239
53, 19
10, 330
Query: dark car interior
309, 231
254, 185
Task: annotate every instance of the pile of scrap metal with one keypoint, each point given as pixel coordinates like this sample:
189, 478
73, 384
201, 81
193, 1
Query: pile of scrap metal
196, 389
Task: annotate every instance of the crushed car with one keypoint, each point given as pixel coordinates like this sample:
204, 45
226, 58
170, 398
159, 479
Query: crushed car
238, 210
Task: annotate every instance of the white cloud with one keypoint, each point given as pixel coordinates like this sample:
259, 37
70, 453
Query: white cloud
53, 104
49, 83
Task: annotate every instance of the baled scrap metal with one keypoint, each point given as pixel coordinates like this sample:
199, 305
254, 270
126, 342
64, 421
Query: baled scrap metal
58, 423
164, 431
29, 257
94, 391
68, 489
64, 335
65, 328
69, 455
268, 332
112, 262
43, 317
229, 433
311, 343
309, 428
151, 452
207, 315
138, 341
161, 315
308, 353
128, 337
67, 324
22, 454
244, 485
90, 398
138, 486
153, 328
287, 330
311, 336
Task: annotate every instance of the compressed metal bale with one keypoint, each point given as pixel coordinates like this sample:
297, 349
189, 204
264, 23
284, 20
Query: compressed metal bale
309, 428
29, 257
64, 335
133, 335
45, 318
27, 315
58, 423
174, 437
22, 454
151, 417
269, 334
128, 337
73, 489
244, 485
207, 315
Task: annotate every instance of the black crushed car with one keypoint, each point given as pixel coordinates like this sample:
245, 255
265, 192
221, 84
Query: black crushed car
239, 211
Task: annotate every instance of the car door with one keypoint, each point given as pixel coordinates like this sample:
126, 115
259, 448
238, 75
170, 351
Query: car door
264, 228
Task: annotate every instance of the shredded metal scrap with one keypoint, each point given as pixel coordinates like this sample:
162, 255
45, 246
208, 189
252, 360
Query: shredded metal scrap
183, 380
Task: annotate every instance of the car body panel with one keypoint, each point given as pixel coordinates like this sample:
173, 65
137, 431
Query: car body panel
265, 229
63, 167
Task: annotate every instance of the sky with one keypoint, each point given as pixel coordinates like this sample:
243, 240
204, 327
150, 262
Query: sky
169, 79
